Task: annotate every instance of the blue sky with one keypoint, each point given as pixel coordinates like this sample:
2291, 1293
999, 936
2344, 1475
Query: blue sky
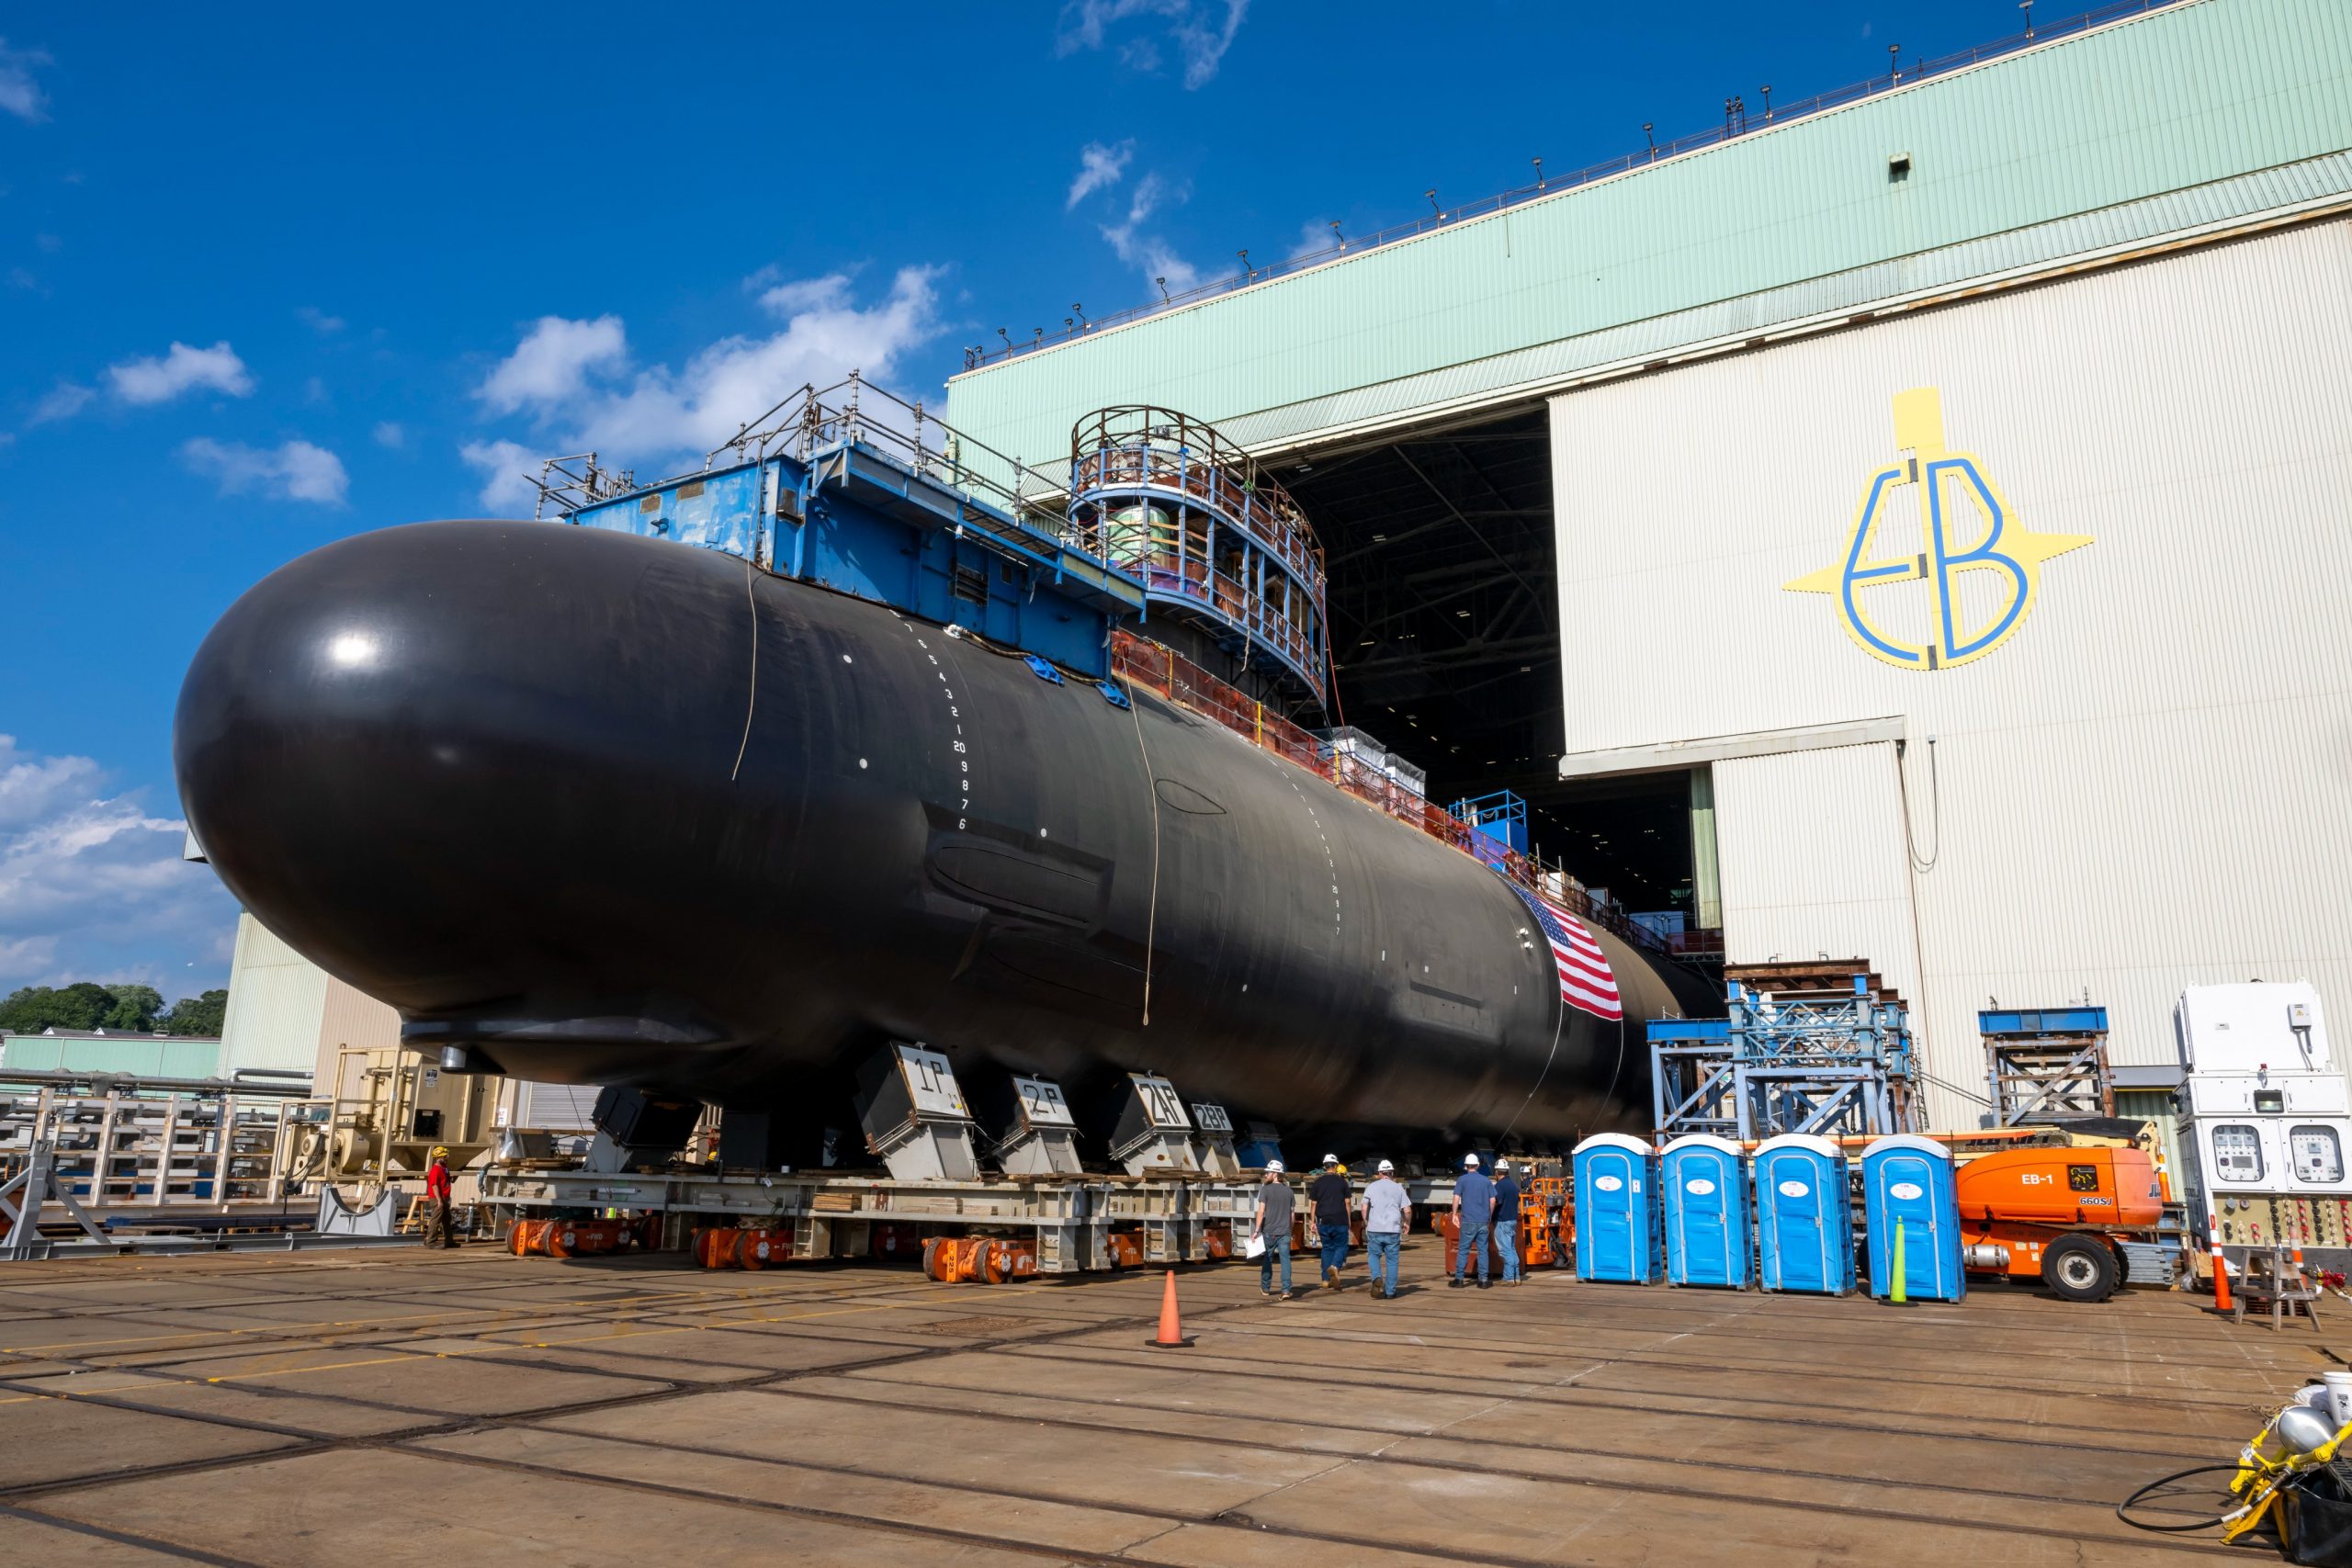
271, 275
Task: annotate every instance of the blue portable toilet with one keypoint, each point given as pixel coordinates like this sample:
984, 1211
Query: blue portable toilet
1616, 1210
1703, 1183
1907, 1183
1804, 1222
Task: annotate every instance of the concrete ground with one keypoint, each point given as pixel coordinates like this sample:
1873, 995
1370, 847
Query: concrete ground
404, 1407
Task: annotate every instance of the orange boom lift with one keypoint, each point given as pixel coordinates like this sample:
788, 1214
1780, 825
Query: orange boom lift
2060, 1214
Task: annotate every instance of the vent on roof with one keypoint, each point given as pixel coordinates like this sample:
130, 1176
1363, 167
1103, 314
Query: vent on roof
1898, 167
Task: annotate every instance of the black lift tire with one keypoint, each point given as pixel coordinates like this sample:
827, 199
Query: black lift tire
2080, 1267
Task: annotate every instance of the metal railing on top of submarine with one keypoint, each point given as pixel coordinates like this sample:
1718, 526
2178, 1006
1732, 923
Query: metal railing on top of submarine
1146, 663
804, 423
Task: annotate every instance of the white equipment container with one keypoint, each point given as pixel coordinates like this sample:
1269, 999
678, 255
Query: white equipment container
2270, 1117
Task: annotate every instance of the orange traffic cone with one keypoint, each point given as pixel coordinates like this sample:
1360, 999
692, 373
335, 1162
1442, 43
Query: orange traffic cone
1171, 1329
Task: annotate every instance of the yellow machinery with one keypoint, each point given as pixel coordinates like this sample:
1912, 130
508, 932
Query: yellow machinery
386, 1109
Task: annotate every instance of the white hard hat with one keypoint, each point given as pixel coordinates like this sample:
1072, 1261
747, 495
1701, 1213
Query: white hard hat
1330, 1159
1469, 1162
1502, 1165
1274, 1168
1386, 1167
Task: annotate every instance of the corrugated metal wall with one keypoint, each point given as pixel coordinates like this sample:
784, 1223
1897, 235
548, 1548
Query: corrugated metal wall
559, 1108
275, 999
2183, 96
2147, 785
1812, 860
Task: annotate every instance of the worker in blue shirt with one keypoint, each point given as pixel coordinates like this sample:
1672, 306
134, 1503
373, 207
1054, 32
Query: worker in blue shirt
1474, 1212
1507, 1220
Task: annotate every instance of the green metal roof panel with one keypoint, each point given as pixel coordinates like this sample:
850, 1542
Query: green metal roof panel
2184, 96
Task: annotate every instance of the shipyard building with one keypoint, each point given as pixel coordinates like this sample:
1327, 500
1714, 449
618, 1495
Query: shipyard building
1910, 527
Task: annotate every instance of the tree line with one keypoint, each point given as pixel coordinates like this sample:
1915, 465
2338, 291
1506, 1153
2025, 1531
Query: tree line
125, 1008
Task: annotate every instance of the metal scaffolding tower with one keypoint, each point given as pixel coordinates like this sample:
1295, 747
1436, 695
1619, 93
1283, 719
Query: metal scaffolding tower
2047, 1064
1833, 1065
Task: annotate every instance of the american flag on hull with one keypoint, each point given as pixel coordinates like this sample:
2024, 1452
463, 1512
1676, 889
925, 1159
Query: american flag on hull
1586, 980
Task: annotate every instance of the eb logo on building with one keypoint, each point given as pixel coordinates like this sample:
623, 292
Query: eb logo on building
1981, 565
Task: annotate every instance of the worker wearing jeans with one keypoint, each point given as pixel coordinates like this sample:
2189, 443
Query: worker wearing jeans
1474, 1209
1507, 1220
1387, 1210
1271, 1223
1329, 1193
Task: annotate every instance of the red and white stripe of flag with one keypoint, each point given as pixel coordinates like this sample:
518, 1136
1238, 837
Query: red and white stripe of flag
1586, 979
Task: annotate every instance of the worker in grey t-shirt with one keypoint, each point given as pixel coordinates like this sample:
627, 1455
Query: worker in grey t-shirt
1388, 1214
1272, 1222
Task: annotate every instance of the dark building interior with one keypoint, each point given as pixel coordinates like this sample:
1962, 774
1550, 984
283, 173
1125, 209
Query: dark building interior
1444, 613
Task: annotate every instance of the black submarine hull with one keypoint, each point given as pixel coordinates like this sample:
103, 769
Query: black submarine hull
616, 810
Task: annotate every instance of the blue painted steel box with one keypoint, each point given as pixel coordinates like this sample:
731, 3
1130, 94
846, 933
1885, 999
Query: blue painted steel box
1804, 1222
1908, 1182
1703, 1184
1617, 1210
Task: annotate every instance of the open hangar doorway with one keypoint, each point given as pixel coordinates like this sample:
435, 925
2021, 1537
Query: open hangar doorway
1444, 620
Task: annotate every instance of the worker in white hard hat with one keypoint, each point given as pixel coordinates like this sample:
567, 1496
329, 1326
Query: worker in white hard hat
1329, 1193
440, 1227
1474, 1214
1270, 1229
1507, 1221
1387, 1215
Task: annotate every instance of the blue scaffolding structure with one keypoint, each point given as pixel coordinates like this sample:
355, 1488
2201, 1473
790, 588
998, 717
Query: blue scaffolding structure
1838, 1066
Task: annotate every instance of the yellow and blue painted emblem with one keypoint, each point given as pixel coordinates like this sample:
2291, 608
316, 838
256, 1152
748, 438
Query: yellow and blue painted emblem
1950, 487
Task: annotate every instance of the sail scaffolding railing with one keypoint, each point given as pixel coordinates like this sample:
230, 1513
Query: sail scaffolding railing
1141, 662
1139, 446
1736, 123
1204, 528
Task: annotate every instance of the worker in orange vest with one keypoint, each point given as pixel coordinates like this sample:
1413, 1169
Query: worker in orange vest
440, 1227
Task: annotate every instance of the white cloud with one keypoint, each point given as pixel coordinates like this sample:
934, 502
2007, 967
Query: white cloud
506, 469
19, 94
318, 321
591, 402
390, 435
294, 471
1151, 253
794, 296
552, 364
1313, 237
61, 401
1099, 168
92, 885
1202, 30
181, 370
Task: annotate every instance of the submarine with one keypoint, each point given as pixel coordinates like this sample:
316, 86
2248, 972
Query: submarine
709, 790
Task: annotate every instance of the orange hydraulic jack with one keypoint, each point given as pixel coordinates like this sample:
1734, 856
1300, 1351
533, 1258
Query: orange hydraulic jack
568, 1238
988, 1259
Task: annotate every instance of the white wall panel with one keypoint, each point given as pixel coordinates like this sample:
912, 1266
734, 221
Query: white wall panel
275, 999
2147, 785
1812, 860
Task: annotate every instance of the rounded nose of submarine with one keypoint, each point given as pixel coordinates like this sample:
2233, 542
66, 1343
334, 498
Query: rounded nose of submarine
466, 766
